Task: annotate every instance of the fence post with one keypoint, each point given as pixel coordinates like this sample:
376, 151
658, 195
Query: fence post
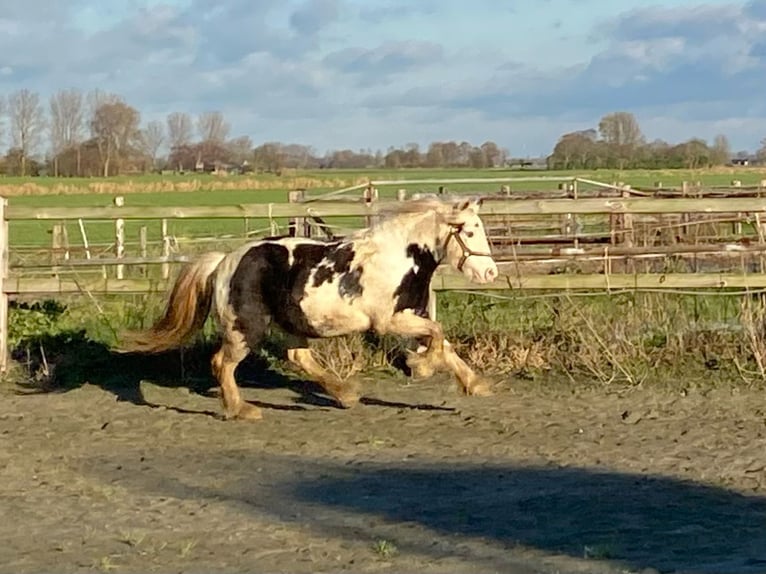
3, 289
142, 241
297, 226
370, 196
119, 236
84, 238
627, 222
165, 249
59, 245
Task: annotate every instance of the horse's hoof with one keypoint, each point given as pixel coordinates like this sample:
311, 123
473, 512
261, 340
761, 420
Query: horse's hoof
348, 400
247, 412
479, 388
420, 365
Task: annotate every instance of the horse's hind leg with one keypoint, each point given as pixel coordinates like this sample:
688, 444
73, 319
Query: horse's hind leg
346, 393
233, 350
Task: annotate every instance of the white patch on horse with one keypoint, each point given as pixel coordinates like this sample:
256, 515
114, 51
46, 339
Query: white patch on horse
326, 309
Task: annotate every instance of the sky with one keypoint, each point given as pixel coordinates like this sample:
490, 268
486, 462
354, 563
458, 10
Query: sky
361, 74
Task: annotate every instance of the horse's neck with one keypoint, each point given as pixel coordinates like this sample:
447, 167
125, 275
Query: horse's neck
420, 229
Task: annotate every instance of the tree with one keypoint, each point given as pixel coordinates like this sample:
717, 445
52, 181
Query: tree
620, 131
240, 150
494, 156
179, 129
67, 122
151, 139
2, 118
268, 157
211, 127
115, 129
575, 150
695, 153
721, 151
27, 124
760, 154
212, 130
435, 155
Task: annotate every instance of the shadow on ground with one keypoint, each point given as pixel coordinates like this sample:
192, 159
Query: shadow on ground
639, 521
67, 360
494, 515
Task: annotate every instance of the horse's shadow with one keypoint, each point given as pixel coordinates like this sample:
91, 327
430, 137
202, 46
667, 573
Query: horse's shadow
66, 361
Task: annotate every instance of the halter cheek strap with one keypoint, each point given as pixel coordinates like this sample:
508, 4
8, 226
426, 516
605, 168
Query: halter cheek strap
466, 251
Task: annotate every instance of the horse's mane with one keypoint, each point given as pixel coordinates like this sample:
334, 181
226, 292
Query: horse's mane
420, 203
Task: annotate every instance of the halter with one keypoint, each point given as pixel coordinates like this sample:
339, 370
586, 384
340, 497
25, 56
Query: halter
467, 251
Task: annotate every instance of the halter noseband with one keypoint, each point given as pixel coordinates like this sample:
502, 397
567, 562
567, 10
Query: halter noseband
466, 251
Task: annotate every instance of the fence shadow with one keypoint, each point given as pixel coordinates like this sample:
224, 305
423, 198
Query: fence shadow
637, 521
494, 516
65, 361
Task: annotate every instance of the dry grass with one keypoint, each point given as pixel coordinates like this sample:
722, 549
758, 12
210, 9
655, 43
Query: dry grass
98, 186
629, 340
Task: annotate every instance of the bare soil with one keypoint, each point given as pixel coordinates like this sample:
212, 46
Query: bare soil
541, 477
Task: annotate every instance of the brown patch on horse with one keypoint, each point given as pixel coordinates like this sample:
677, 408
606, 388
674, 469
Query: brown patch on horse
186, 310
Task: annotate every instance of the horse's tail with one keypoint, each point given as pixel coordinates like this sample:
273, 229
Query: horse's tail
186, 310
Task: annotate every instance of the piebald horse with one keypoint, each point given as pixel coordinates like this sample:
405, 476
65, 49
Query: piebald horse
373, 279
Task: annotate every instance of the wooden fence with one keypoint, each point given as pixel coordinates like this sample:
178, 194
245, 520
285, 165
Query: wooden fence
623, 206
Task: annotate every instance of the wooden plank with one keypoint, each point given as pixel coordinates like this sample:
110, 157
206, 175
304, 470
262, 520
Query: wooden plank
583, 206
450, 282
465, 180
441, 282
62, 285
3, 287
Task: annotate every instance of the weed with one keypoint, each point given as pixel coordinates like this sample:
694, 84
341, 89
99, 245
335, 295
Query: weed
384, 548
186, 548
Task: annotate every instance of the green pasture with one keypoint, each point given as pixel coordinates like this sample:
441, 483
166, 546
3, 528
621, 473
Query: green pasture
272, 188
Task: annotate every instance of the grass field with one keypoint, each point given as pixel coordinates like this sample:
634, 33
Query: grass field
200, 190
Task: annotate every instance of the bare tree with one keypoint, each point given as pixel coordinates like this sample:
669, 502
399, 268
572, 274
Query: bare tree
240, 149
211, 127
721, 150
2, 118
179, 129
151, 138
115, 128
67, 123
27, 124
620, 131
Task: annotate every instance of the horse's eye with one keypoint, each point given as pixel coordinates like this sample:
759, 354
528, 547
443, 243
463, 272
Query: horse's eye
469, 233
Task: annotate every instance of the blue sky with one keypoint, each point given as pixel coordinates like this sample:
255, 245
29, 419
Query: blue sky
373, 73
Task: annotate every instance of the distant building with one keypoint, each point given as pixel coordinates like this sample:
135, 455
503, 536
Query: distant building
742, 161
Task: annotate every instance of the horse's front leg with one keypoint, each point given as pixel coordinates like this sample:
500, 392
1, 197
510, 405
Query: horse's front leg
346, 393
439, 354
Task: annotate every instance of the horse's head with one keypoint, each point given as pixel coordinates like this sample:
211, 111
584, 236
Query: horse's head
466, 246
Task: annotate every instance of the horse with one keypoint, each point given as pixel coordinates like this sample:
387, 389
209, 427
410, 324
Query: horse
376, 278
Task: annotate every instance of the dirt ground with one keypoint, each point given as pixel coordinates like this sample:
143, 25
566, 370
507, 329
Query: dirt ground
538, 478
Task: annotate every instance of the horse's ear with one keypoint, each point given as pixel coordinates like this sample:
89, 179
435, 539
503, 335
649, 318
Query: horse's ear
474, 202
461, 205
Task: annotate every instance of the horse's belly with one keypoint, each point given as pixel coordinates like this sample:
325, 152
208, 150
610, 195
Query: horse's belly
335, 320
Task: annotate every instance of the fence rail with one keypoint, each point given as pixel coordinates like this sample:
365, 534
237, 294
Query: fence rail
492, 206
69, 276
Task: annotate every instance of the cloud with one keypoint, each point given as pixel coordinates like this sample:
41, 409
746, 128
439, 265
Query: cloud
385, 60
704, 62
349, 74
313, 16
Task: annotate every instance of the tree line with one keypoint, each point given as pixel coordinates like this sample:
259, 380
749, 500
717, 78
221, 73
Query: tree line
618, 143
100, 134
